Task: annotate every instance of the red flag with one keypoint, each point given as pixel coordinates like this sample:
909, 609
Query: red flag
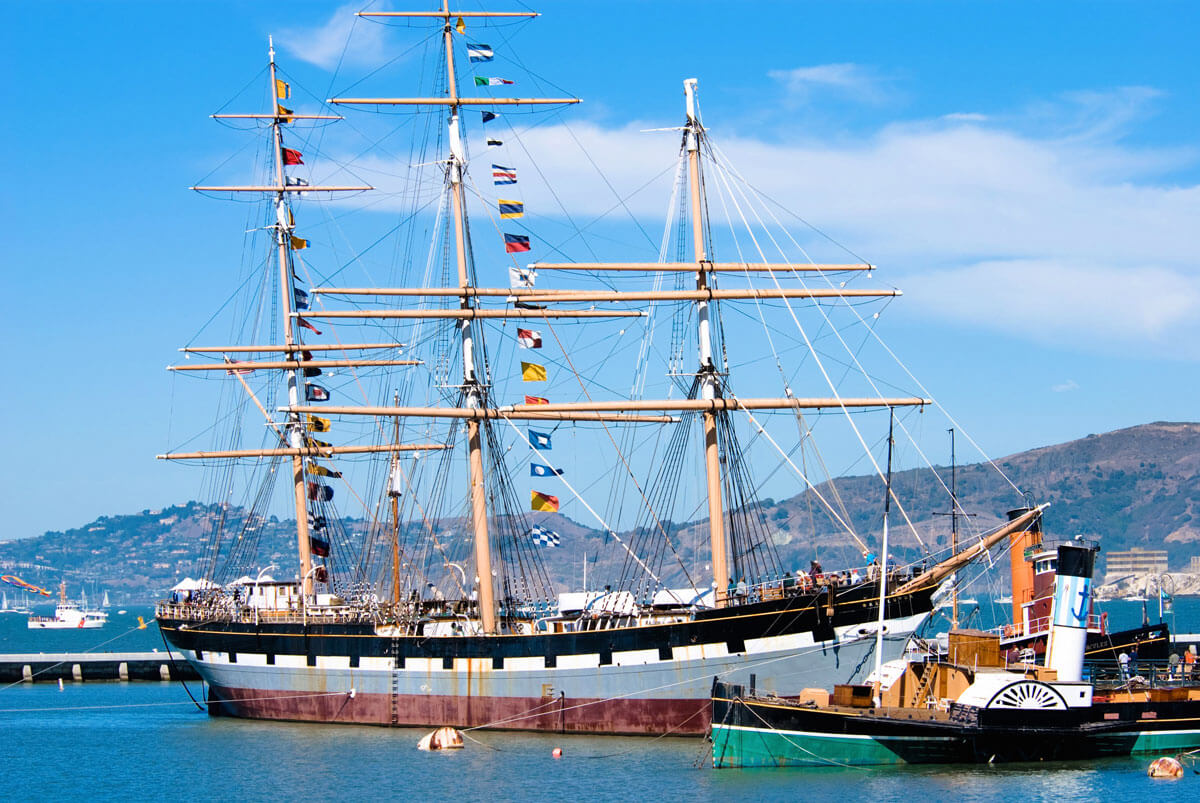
291, 157
514, 243
307, 325
536, 400
318, 492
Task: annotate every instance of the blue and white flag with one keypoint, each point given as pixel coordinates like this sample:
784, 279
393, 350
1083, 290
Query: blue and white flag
539, 440
544, 537
538, 470
479, 52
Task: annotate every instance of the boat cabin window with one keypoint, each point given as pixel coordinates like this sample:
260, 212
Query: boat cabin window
1046, 565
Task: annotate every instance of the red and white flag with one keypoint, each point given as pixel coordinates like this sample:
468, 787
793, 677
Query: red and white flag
529, 339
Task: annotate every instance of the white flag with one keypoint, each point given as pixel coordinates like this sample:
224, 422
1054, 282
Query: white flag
521, 277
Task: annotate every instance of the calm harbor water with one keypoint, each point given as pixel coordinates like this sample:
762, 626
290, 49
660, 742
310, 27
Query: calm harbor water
113, 741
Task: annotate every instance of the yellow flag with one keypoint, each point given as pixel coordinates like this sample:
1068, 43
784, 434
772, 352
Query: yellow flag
299, 243
291, 219
461, 26
282, 90
532, 372
283, 111
543, 502
318, 424
321, 471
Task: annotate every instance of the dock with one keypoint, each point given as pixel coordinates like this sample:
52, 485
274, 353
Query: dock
39, 667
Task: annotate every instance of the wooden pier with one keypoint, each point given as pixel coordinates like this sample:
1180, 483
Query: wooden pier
39, 667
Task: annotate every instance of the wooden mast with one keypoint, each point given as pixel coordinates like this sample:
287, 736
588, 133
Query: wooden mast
467, 313
295, 430
709, 382
473, 396
394, 491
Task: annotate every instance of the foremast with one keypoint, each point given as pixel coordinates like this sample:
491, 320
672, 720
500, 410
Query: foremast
283, 247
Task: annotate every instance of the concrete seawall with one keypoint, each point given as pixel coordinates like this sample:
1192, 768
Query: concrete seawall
50, 666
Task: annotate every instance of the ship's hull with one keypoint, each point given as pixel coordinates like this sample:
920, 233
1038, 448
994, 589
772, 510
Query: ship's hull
757, 733
651, 679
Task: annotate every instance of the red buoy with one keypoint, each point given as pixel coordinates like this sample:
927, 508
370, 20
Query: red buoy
556, 752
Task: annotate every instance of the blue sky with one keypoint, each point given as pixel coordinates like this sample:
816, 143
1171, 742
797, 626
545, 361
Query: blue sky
1026, 172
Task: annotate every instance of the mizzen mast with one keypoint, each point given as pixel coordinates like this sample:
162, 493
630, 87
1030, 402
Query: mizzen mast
710, 383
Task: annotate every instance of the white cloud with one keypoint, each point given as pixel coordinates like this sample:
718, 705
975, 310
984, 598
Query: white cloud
1045, 237
1065, 387
851, 80
1056, 301
327, 45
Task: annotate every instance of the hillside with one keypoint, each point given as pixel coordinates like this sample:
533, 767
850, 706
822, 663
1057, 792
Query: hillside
1133, 487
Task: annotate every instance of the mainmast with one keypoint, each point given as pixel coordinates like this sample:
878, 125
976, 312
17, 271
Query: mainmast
473, 392
710, 385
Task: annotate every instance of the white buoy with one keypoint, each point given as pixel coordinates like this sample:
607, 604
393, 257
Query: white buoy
441, 739
1165, 767
60, 686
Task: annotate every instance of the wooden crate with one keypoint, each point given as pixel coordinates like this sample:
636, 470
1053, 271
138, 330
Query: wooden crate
852, 695
972, 648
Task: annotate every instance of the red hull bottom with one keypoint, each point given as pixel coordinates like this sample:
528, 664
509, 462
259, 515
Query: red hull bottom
552, 714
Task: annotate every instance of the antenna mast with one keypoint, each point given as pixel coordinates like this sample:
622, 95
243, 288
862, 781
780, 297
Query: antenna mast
953, 530
883, 567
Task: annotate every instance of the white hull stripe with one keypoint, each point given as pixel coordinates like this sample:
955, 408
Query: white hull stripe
833, 736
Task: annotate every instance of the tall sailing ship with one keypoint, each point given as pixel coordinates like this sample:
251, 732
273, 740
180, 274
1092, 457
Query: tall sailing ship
440, 608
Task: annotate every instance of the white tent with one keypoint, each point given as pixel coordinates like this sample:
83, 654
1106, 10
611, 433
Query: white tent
666, 597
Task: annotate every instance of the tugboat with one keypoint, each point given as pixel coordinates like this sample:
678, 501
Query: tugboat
973, 706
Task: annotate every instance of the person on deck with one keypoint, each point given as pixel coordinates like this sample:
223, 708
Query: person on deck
1123, 661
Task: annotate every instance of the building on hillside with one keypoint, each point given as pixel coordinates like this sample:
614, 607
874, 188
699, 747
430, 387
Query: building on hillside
1135, 561
1194, 565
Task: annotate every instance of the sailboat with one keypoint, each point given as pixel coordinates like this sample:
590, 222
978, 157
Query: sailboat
436, 607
